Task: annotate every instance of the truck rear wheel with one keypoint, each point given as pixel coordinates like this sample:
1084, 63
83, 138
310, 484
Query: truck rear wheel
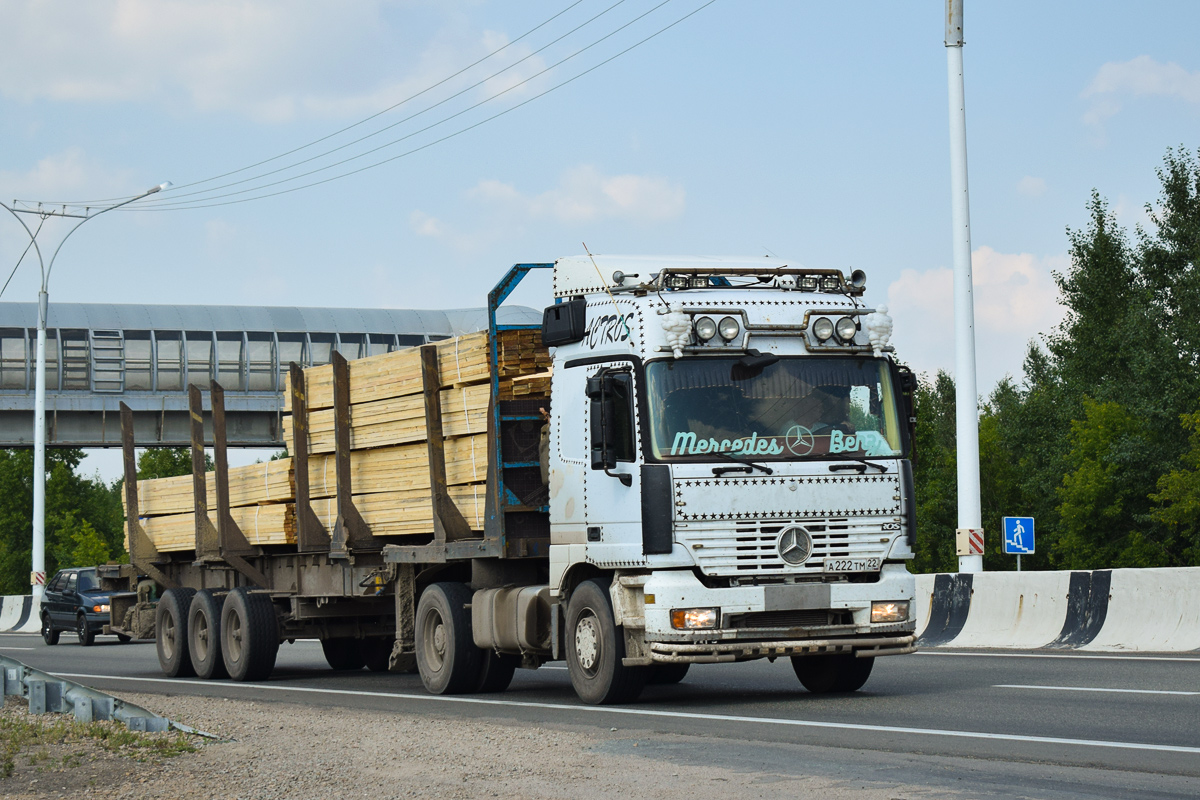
496, 671
249, 635
344, 654
596, 648
171, 632
204, 634
839, 673
447, 658
377, 653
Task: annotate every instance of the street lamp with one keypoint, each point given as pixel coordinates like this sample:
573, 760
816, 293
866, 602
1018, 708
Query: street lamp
37, 577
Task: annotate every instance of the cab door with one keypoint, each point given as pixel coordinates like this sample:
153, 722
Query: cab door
612, 482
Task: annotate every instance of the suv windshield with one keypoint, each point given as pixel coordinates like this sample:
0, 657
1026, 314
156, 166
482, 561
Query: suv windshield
797, 408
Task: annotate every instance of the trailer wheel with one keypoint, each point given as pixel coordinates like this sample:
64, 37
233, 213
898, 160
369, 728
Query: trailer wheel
344, 653
447, 657
496, 671
249, 635
171, 632
596, 647
377, 653
835, 673
667, 674
204, 634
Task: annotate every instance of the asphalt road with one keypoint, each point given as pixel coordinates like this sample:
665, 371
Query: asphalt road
990, 724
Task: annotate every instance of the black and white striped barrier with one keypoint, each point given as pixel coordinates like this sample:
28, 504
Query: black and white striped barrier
1152, 610
17, 614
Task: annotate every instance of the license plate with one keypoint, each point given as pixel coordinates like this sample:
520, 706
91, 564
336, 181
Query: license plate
852, 565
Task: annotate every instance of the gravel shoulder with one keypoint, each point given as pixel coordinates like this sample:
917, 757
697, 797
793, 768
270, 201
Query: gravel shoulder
297, 752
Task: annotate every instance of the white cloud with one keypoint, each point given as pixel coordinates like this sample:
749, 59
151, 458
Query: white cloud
1015, 300
1138, 77
1031, 186
69, 175
584, 194
424, 225
271, 61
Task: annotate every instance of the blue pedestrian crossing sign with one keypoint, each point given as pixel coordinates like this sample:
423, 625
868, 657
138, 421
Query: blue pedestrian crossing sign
1018, 536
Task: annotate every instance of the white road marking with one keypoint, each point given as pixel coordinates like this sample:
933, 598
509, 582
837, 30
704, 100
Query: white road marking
648, 712
1062, 655
6, 647
1093, 689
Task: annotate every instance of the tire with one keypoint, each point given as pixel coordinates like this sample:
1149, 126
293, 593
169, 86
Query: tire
447, 658
596, 647
667, 674
249, 635
344, 654
496, 671
826, 674
84, 632
171, 632
123, 639
49, 633
204, 635
377, 653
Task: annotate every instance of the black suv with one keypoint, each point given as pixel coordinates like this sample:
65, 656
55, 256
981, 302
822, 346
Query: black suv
74, 601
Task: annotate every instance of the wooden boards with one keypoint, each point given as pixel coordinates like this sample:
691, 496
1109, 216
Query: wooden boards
389, 451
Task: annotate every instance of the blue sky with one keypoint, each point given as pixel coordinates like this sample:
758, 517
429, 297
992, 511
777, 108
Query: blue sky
814, 131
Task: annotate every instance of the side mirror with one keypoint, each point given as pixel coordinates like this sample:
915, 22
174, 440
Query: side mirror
564, 323
601, 392
906, 382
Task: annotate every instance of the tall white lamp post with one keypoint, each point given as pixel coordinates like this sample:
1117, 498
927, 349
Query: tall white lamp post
37, 577
969, 535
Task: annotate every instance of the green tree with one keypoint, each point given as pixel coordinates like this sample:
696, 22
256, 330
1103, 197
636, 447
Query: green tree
166, 462
935, 476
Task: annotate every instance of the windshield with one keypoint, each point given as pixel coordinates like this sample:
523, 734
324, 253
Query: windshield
87, 580
796, 408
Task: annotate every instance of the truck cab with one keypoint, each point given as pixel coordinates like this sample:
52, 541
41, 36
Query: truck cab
729, 471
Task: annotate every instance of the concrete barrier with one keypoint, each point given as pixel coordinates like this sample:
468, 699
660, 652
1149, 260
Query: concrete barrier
17, 614
1154, 610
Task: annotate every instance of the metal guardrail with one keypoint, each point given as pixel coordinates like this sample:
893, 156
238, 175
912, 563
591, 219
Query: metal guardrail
48, 693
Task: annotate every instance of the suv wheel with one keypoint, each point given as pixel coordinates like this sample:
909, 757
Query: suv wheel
84, 631
49, 634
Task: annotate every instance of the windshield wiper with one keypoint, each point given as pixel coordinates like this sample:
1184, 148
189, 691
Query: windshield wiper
859, 464
723, 470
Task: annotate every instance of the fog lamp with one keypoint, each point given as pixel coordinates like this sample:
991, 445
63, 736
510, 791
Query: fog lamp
728, 328
822, 329
100, 609
831, 283
846, 328
705, 328
693, 618
889, 611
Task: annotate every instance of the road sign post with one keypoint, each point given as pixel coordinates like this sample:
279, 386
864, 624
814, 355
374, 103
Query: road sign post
1018, 537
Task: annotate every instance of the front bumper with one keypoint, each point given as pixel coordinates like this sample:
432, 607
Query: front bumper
788, 619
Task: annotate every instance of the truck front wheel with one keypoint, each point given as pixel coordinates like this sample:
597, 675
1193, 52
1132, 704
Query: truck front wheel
447, 658
596, 649
840, 673
171, 632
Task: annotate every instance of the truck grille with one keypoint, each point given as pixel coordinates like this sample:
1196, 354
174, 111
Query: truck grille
749, 547
790, 619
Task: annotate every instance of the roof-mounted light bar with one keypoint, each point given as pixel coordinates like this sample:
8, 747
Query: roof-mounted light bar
785, 278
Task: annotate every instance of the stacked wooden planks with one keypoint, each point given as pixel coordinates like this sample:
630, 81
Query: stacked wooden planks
389, 461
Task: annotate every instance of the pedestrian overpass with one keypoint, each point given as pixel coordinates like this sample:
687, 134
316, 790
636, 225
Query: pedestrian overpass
100, 355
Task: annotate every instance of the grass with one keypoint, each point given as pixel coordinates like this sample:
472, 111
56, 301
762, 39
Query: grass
31, 735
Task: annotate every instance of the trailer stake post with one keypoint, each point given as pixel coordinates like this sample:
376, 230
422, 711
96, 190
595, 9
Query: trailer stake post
449, 525
233, 543
350, 532
310, 533
207, 543
142, 553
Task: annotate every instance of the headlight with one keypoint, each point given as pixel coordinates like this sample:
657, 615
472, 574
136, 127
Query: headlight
822, 329
705, 328
889, 611
101, 609
846, 328
692, 618
728, 328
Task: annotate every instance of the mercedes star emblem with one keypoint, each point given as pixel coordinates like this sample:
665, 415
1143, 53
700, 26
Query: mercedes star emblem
795, 546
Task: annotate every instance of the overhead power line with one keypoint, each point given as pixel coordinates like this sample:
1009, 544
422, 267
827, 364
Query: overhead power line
203, 203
